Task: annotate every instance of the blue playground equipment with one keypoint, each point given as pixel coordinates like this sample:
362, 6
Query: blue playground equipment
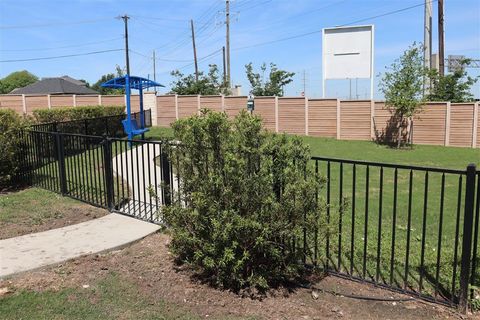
131, 82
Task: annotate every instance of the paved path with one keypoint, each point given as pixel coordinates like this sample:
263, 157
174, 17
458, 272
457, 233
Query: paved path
41, 249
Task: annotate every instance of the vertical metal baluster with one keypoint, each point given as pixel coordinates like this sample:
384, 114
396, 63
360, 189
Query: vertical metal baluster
352, 247
365, 230
328, 213
134, 202
150, 166
475, 236
315, 253
138, 182
424, 231
143, 178
121, 174
91, 177
394, 223
379, 238
127, 175
409, 227
340, 203
457, 231
155, 175
440, 225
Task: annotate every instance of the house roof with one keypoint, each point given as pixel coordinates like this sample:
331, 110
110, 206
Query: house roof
62, 85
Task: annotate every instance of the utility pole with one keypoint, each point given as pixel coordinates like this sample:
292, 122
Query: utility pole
441, 40
224, 70
154, 72
125, 20
194, 51
304, 79
227, 22
427, 42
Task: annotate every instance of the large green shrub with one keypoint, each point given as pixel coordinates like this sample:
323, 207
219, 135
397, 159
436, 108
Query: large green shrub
77, 113
245, 199
11, 125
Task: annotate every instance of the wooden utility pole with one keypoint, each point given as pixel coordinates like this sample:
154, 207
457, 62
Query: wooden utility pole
194, 51
224, 70
441, 40
125, 20
427, 42
154, 72
227, 22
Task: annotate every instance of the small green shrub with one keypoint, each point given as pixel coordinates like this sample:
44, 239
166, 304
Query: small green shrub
77, 113
11, 146
245, 199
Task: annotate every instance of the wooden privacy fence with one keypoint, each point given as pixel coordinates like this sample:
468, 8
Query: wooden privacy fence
440, 123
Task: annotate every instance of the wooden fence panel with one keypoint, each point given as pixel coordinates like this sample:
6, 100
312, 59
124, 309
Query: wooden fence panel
135, 103
291, 115
166, 113
478, 125
384, 125
87, 100
233, 105
61, 101
36, 102
461, 124
213, 103
110, 100
355, 120
14, 102
429, 125
187, 106
322, 117
265, 108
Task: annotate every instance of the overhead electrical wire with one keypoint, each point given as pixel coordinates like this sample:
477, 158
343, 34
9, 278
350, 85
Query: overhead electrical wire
54, 24
63, 56
62, 47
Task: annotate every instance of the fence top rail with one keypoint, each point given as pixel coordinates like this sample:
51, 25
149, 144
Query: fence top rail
392, 165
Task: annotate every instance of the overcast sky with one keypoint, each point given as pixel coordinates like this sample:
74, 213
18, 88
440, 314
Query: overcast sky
46, 28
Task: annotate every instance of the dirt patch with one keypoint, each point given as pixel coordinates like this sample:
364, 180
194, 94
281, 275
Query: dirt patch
149, 265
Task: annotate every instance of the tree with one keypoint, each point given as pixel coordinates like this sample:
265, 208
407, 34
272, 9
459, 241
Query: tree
402, 87
273, 86
119, 72
453, 87
208, 84
18, 79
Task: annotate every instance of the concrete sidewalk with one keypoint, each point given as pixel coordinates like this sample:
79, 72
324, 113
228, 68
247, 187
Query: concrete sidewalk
41, 249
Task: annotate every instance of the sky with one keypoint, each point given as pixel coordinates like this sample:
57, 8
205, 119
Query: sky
284, 32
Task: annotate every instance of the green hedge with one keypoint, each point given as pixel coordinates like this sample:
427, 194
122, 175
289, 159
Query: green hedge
11, 146
76, 113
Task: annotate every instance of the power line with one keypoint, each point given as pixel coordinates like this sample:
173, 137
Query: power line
64, 56
159, 59
62, 47
52, 24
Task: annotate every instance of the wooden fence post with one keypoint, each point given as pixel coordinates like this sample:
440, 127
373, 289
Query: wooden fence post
372, 119
339, 130
223, 103
475, 125
306, 116
100, 100
198, 104
276, 114
49, 98
74, 97
447, 124
176, 106
24, 102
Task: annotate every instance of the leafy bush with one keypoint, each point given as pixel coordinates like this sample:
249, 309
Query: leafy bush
11, 125
77, 113
245, 199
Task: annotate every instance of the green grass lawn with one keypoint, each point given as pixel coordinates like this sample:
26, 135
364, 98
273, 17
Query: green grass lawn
365, 224
109, 298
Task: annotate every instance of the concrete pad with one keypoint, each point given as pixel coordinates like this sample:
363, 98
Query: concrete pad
41, 249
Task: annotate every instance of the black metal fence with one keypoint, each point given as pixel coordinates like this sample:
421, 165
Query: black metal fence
110, 126
408, 228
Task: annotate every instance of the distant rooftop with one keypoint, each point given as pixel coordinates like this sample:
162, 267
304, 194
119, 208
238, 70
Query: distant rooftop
59, 85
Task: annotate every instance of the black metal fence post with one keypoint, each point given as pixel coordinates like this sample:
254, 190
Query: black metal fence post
107, 164
467, 238
59, 144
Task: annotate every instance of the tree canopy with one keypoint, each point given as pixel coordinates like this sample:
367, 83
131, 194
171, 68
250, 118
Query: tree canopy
453, 87
271, 86
109, 76
207, 84
17, 79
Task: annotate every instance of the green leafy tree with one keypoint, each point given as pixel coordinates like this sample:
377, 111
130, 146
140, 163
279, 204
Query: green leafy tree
119, 72
244, 197
402, 86
453, 87
207, 84
273, 86
18, 79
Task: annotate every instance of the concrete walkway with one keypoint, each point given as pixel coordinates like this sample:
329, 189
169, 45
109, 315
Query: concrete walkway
41, 249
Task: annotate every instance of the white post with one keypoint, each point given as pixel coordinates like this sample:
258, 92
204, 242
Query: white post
49, 98
276, 114
99, 99
306, 116
447, 124
176, 106
74, 97
475, 124
338, 120
24, 102
198, 104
